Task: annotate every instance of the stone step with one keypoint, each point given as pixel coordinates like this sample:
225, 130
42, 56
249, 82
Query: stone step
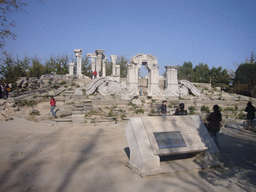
87, 101
62, 120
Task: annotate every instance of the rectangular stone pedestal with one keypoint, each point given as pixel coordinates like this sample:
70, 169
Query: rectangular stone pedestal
185, 137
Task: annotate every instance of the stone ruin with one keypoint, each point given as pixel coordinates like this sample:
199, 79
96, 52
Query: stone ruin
128, 87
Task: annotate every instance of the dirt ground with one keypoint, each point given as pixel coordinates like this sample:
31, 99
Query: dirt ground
50, 156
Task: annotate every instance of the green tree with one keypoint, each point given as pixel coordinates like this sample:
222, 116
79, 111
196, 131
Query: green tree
201, 73
186, 71
245, 82
86, 66
62, 65
37, 69
123, 62
50, 65
10, 69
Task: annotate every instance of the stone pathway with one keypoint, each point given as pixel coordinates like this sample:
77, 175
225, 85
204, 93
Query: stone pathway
59, 157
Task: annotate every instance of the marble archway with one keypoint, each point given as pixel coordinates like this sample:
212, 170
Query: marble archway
153, 72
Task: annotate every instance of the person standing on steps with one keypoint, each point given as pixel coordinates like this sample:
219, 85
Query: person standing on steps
250, 109
214, 124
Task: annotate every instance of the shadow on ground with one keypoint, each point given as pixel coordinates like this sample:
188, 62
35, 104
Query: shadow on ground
239, 157
22, 170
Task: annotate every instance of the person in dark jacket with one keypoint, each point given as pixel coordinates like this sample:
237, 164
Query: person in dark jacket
250, 109
6, 91
1, 91
163, 108
214, 124
180, 110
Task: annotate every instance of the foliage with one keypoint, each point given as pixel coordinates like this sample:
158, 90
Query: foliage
26, 103
37, 69
12, 69
244, 81
86, 66
34, 112
186, 71
192, 110
110, 114
63, 83
123, 62
241, 115
205, 109
137, 111
123, 116
229, 109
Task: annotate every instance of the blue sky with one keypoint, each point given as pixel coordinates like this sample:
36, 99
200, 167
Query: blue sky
213, 32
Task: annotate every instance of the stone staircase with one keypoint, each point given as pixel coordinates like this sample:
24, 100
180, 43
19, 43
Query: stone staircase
93, 85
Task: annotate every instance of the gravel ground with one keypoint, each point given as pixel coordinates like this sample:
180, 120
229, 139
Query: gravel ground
50, 156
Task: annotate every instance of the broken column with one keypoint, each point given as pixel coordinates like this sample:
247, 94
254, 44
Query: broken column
78, 53
99, 56
113, 59
104, 65
71, 68
172, 79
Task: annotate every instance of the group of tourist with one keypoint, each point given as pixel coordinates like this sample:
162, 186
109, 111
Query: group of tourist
94, 74
214, 118
4, 91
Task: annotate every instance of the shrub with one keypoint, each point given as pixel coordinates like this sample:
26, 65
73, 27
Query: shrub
192, 110
55, 86
205, 109
110, 114
73, 84
229, 109
137, 111
170, 106
63, 83
123, 116
26, 103
131, 104
241, 115
34, 112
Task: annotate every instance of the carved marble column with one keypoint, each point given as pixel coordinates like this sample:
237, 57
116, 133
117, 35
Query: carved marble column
153, 79
104, 65
118, 70
172, 79
113, 58
71, 68
78, 53
99, 54
93, 64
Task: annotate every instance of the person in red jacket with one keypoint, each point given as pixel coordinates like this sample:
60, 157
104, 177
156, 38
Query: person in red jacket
95, 74
53, 105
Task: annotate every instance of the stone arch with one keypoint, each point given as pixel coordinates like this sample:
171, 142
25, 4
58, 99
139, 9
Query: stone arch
153, 72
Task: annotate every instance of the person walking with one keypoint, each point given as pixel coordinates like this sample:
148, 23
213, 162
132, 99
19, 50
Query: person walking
53, 105
214, 124
1, 91
250, 109
162, 109
6, 91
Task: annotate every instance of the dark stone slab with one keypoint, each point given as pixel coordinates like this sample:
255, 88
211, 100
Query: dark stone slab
167, 140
